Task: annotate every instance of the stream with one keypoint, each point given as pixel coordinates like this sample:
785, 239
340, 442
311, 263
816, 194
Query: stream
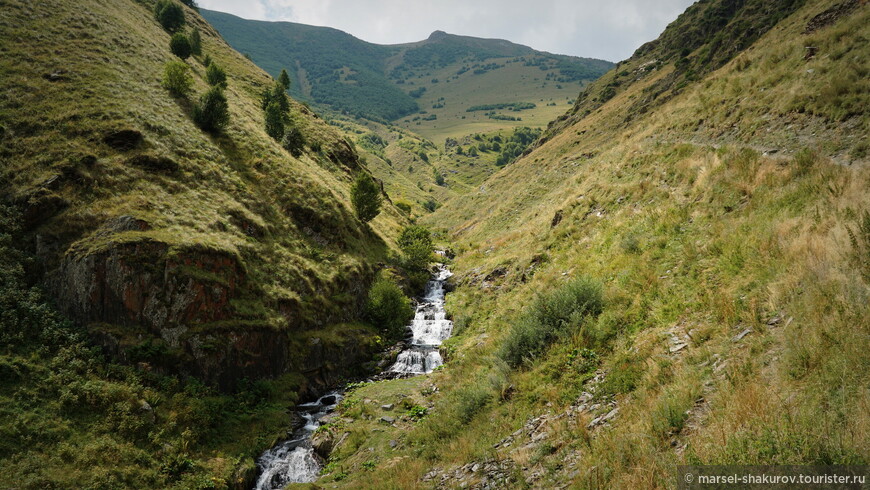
294, 461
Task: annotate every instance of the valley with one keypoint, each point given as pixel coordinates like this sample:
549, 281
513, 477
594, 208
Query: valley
641, 265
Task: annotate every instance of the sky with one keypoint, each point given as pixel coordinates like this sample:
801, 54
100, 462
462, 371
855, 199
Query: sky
605, 29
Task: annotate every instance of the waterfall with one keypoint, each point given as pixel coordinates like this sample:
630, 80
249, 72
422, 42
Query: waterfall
294, 461
429, 328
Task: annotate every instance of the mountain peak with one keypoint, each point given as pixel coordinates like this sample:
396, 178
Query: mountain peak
437, 36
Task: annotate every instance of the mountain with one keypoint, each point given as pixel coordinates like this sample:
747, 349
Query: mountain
444, 76
167, 292
678, 273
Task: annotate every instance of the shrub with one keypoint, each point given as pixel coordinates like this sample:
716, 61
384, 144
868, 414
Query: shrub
274, 121
404, 207
416, 244
195, 42
177, 79
388, 308
439, 178
191, 3
169, 14
212, 113
293, 141
366, 197
623, 377
215, 75
276, 94
549, 317
180, 45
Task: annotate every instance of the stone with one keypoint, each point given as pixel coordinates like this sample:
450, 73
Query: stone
388, 406
739, 337
678, 347
387, 419
393, 443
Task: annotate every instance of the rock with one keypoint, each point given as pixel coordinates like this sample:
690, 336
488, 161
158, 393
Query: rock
387, 419
393, 443
146, 411
388, 406
56, 76
328, 400
323, 443
739, 337
678, 347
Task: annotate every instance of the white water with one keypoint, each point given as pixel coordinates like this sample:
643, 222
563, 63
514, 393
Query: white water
429, 329
294, 461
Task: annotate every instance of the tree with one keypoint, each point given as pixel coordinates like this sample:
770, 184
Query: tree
284, 79
275, 94
191, 3
180, 45
177, 79
439, 179
366, 197
212, 113
169, 14
215, 75
416, 244
274, 121
388, 308
195, 42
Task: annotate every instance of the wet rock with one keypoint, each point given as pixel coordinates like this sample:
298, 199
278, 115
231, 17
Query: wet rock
323, 442
328, 400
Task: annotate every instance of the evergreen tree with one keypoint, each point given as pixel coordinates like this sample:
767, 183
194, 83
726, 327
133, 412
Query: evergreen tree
274, 121
212, 113
180, 45
284, 79
366, 197
293, 141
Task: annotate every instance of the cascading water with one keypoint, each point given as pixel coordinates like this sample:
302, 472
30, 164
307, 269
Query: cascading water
429, 328
294, 461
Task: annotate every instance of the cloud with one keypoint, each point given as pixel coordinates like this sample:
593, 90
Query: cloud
592, 28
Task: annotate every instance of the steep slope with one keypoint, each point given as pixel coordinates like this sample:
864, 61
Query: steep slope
677, 274
224, 252
446, 74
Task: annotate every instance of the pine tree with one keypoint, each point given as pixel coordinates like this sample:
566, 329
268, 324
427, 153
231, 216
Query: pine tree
284, 79
274, 121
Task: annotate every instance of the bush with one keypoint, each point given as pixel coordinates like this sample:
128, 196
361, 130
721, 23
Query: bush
177, 79
549, 317
416, 244
365, 194
195, 42
169, 14
293, 141
212, 113
274, 121
180, 46
404, 207
191, 3
215, 75
388, 308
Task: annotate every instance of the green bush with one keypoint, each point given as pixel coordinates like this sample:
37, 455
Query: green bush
169, 14
177, 79
388, 308
293, 141
180, 46
215, 75
365, 194
404, 207
274, 121
284, 79
549, 317
195, 42
212, 113
416, 244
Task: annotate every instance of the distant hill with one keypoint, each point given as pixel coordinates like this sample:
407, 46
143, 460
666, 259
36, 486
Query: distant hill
444, 75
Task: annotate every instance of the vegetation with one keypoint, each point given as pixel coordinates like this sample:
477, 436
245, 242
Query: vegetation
169, 14
514, 106
565, 309
195, 42
284, 79
416, 244
180, 46
177, 79
388, 308
211, 113
365, 194
274, 121
215, 75
293, 141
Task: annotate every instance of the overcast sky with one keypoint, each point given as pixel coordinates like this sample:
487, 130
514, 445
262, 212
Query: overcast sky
606, 29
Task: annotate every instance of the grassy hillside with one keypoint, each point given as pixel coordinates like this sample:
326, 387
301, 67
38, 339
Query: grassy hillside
670, 279
441, 77
229, 271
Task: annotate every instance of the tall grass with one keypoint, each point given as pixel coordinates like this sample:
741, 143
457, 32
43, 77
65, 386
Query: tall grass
551, 316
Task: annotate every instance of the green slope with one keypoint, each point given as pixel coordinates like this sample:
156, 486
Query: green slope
385, 83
